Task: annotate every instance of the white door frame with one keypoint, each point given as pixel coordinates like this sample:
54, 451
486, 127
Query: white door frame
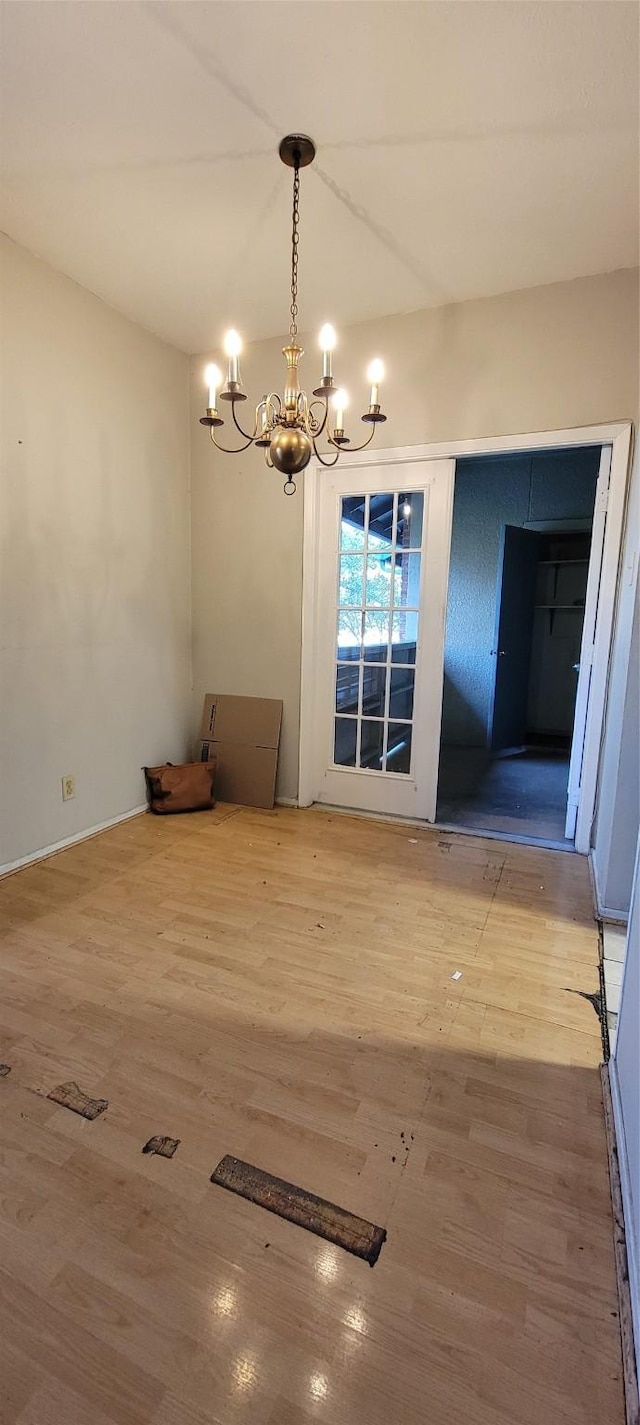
587, 644
616, 434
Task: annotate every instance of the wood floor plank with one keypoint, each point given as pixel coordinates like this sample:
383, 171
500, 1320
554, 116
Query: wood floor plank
278, 986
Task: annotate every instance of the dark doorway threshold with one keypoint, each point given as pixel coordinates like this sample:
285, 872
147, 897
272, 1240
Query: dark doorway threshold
520, 796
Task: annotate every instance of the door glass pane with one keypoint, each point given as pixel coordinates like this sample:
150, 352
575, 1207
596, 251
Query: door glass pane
377, 629
349, 643
399, 747
372, 738
351, 572
347, 687
401, 693
410, 513
374, 687
404, 636
376, 635
380, 521
352, 522
344, 748
379, 580
407, 579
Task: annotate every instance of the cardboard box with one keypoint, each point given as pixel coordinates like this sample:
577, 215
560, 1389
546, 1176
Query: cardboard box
243, 734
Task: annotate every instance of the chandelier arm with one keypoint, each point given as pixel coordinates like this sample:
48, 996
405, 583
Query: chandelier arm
325, 406
354, 448
328, 463
227, 449
237, 425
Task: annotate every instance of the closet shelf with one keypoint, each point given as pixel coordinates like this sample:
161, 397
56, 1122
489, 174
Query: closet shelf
578, 608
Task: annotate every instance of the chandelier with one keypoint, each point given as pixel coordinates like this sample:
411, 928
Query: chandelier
288, 427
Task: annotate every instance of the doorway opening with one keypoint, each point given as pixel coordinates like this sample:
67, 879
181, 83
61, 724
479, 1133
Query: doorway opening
517, 594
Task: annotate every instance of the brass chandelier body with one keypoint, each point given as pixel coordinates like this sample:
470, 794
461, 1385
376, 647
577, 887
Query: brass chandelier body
288, 426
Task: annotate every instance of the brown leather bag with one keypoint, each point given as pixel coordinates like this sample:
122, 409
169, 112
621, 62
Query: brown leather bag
185, 788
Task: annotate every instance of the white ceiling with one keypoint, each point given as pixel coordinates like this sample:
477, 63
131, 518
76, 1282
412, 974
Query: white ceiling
464, 149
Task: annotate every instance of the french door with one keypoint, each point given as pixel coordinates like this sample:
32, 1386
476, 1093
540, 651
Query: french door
372, 693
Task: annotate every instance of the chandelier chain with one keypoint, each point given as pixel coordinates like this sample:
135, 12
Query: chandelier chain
295, 239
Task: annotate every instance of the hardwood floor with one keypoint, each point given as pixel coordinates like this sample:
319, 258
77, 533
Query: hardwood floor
279, 986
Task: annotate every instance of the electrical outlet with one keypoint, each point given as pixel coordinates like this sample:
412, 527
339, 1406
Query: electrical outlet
68, 788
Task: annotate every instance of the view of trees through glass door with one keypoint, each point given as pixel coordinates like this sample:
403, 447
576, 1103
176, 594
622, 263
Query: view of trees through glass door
378, 601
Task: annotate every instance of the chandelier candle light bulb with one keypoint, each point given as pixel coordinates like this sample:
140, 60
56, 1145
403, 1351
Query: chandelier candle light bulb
288, 426
375, 374
340, 403
327, 340
213, 379
233, 347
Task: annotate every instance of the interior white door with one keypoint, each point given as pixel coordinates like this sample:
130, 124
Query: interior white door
383, 533
592, 599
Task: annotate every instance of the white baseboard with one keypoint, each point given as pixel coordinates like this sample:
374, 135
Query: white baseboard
286, 801
627, 1206
69, 841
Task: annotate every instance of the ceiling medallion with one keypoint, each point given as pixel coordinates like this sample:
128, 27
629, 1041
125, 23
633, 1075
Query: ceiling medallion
288, 427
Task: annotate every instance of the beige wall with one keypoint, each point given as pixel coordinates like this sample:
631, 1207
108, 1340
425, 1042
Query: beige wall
540, 359
94, 575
